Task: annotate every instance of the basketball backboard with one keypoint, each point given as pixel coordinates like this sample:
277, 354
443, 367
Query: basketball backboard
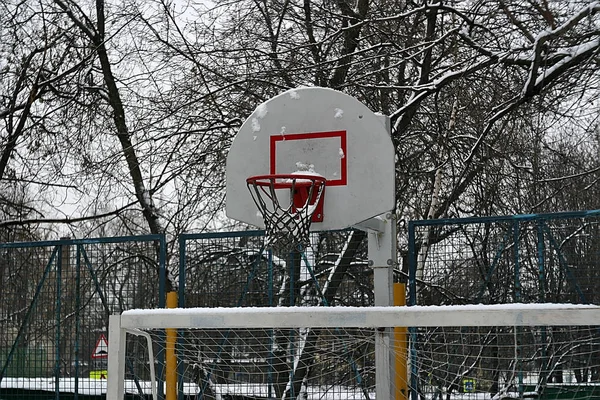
320, 131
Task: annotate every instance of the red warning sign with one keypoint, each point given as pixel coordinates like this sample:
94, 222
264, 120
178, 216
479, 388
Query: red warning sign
101, 349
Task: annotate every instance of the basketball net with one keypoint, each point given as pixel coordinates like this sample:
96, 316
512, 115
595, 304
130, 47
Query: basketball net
288, 217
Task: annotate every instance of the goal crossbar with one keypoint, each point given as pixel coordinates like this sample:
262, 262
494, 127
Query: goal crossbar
363, 317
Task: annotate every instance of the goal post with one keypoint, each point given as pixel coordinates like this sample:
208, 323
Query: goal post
116, 360
299, 352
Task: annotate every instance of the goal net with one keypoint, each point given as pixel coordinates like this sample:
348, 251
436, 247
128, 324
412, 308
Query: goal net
542, 351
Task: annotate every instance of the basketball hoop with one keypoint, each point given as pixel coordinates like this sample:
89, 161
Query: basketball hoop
288, 213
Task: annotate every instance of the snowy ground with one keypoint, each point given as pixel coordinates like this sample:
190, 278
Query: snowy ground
85, 386
98, 387
88, 386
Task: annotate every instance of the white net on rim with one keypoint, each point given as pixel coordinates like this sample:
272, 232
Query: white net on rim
287, 223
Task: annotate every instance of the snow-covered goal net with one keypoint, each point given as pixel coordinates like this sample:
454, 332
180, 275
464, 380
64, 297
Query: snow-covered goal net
543, 351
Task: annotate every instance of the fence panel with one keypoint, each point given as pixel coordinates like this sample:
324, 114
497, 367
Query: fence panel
233, 269
55, 301
509, 259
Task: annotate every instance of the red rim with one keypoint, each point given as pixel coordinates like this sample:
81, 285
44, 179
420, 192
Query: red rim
286, 181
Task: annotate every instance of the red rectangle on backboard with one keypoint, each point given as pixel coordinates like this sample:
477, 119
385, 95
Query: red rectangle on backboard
327, 151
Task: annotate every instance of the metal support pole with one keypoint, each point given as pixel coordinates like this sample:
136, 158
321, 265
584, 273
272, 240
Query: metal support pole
382, 258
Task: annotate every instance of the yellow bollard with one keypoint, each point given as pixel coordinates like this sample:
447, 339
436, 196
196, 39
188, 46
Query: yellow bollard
401, 345
170, 357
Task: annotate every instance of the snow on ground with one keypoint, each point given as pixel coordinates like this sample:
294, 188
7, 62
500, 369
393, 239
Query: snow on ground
98, 387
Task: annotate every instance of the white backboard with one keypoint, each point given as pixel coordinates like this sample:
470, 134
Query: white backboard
323, 130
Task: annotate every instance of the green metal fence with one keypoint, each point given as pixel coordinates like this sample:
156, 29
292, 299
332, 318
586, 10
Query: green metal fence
535, 258
56, 296
233, 269
509, 259
55, 299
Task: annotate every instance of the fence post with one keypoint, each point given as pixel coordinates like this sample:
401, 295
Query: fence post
170, 357
401, 345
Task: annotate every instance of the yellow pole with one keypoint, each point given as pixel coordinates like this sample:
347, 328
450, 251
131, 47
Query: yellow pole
170, 358
401, 345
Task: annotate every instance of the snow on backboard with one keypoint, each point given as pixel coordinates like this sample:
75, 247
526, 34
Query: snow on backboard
323, 131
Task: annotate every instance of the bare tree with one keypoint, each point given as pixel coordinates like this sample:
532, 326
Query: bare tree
473, 90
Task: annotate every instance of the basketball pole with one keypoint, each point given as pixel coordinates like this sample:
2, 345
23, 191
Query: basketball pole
382, 258
382, 244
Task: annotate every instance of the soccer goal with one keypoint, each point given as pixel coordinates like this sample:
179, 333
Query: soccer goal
430, 352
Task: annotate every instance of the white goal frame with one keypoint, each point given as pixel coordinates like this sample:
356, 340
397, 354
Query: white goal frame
135, 321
